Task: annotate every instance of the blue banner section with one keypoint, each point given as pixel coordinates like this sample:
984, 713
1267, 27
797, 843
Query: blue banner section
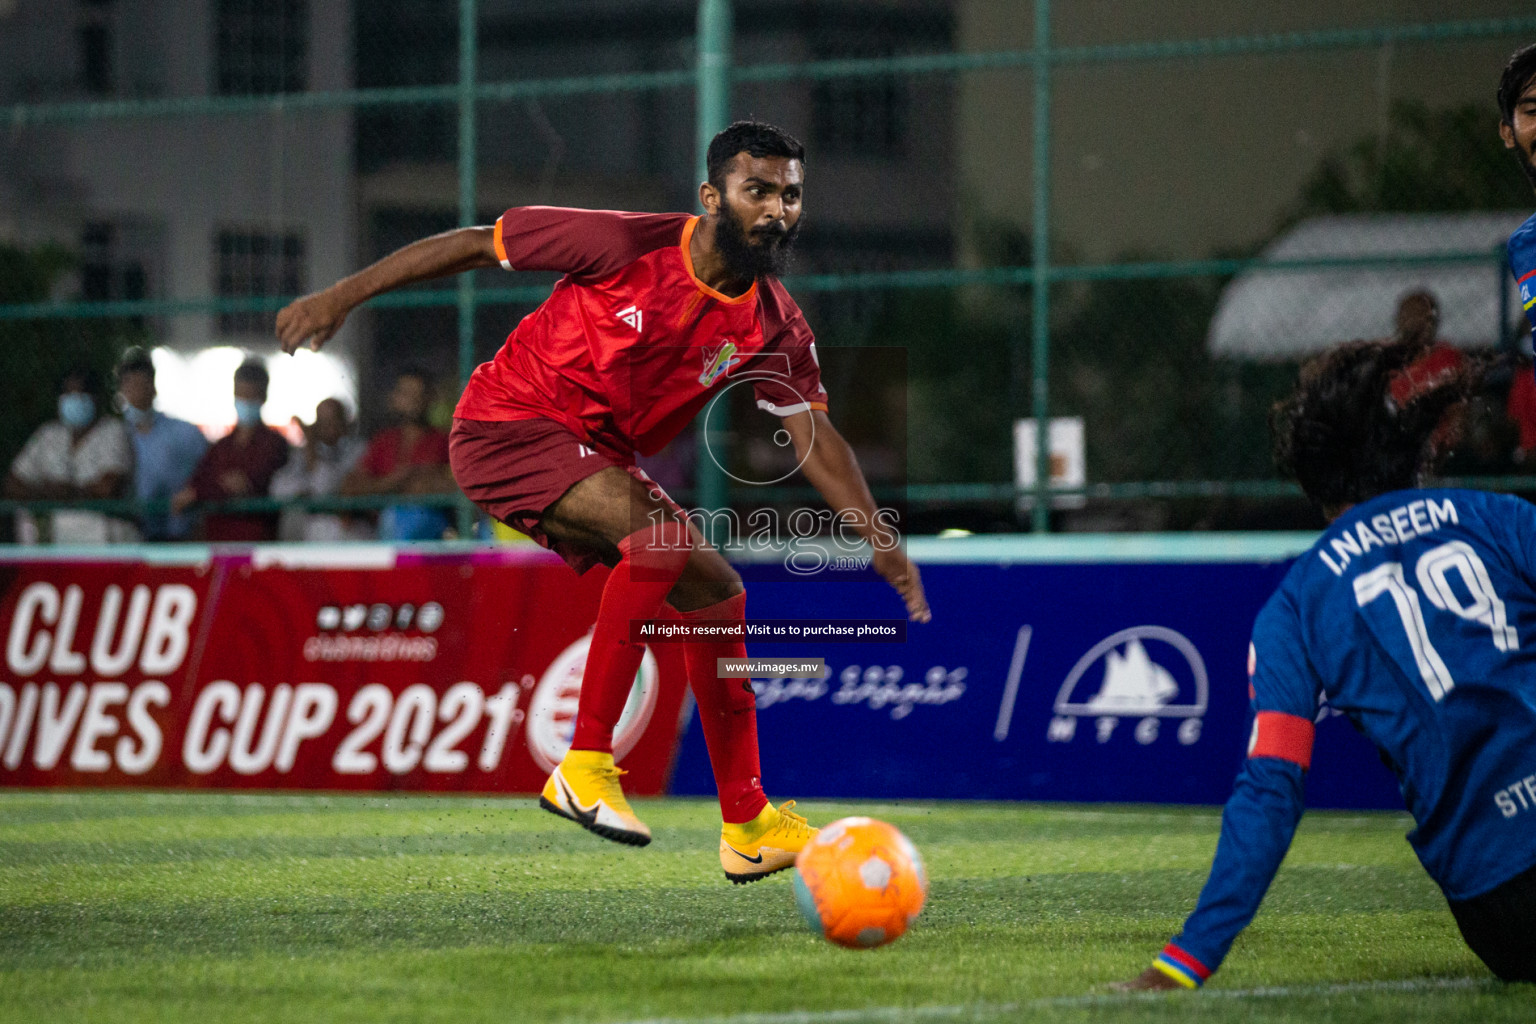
1087, 682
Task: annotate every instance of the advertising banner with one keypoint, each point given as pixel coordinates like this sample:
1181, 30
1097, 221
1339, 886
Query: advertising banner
343, 668
370, 669
1123, 681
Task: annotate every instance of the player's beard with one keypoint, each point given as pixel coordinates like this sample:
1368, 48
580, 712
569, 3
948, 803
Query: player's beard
767, 253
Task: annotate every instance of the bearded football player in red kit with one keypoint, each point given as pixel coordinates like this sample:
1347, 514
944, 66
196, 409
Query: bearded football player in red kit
654, 314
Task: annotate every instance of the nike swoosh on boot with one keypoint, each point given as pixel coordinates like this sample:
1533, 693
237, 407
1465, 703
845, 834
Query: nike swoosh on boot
585, 817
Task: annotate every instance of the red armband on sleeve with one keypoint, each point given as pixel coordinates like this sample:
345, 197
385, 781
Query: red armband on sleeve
1287, 737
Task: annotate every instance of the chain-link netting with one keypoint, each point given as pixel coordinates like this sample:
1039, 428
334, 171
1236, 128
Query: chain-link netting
1229, 189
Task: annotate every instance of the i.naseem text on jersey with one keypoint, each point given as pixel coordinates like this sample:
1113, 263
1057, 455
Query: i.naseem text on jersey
1398, 526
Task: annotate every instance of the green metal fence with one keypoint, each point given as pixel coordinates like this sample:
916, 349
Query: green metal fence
1037, 284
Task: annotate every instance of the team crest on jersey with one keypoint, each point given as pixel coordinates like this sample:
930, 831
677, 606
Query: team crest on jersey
717, 360
632, 316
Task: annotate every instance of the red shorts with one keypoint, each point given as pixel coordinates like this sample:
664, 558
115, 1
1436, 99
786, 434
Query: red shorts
516, 469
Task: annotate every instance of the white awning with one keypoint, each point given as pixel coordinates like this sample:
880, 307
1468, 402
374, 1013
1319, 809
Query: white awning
1286, 314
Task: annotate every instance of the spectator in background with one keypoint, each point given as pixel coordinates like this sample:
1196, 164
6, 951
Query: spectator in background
1521, 409
240, 465
165, 450
1417, 319
317, 470
411, 458
1490, 431
82, 454
1418, 323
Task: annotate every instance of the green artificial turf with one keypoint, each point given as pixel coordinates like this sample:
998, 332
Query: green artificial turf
129, 906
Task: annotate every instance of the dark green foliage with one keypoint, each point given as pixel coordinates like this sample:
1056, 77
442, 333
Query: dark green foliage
1428, 161
27, 276
959, 408
35, 354
1131, 360
1130, 356
959, 395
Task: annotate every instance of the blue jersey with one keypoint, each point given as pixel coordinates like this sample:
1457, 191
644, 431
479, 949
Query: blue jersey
1522, 263
1415, 616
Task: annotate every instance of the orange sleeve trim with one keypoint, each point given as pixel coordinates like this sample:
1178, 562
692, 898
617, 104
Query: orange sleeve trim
1283, 736
501, 247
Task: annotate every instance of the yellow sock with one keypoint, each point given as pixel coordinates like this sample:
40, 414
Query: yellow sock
752, 831
588, 759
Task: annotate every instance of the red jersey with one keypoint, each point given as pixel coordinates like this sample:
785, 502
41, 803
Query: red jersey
1522, 406
263, 454
630, 345
386, 452
1427, 371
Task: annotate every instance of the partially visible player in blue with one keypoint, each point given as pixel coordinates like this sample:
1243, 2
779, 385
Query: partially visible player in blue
1415, 616
1517, 127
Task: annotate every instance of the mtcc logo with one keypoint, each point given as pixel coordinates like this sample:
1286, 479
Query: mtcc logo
1148, 673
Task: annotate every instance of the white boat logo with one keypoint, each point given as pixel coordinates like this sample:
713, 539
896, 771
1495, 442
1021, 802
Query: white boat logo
1133, 684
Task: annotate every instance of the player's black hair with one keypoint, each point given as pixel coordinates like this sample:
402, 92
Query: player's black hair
135, 360
1517, 75
754, 137
418, 371
88, 376
252, 370
1343, 438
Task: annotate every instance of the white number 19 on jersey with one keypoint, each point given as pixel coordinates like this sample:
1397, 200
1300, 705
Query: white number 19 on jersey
1433, 573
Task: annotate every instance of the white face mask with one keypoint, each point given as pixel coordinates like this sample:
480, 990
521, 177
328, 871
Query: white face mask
247, 412
77, 410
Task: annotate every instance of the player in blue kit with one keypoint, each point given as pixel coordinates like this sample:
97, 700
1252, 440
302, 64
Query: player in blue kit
1415, 616
1517, 127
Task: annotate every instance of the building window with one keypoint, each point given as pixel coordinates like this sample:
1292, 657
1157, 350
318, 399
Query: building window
256, 265
263, 46
119, 262
861, 116
93, 42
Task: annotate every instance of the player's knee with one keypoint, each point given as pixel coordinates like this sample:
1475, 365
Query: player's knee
692, 596
664, 549
705, 589
720, 591
714, 575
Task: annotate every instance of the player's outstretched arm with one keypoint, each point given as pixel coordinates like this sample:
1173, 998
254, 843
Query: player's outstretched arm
829, 464
314, 319
1257, 826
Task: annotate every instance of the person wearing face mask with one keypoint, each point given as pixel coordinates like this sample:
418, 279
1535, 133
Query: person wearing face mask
409, 458
239, 465
82, 454
165, 450
330, 451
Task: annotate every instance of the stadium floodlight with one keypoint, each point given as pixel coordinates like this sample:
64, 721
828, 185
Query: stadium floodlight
197, 386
